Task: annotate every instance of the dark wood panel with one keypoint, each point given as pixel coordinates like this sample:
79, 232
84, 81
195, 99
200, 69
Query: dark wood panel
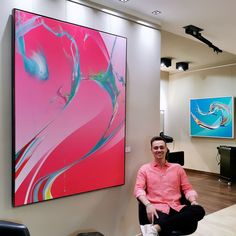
213, 194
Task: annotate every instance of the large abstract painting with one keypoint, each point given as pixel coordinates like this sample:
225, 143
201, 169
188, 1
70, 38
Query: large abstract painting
68, 108
212, 117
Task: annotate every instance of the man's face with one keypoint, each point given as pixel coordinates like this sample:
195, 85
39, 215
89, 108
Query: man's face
159, 149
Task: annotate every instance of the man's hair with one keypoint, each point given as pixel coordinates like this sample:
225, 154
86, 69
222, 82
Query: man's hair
157, 138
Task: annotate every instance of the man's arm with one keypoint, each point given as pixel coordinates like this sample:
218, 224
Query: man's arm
187, 188
144, 200
140, 194
150, 209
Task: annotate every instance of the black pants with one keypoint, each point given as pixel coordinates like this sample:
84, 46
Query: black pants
184, 221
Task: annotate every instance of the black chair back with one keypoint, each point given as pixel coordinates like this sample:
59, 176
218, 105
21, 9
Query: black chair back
176, 157
8, 228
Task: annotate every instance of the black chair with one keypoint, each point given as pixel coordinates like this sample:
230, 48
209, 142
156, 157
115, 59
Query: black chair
176, 157
8, 228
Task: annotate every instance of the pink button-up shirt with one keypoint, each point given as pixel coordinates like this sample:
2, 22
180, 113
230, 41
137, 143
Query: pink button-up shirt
162, 185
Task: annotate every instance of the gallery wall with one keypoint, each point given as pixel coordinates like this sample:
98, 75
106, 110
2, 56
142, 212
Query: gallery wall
111, 211
200, 153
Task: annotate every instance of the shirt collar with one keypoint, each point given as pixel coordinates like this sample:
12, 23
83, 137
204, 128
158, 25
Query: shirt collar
155, 164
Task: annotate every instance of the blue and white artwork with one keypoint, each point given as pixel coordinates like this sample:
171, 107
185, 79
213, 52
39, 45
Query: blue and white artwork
212, 117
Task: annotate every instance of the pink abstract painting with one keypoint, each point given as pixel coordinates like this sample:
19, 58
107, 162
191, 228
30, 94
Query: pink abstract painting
69, 108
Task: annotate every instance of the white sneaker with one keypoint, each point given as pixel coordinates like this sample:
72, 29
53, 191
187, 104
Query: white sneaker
149, 230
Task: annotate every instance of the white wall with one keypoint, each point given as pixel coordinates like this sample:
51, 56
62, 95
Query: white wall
164, 97
112, 211
200, 153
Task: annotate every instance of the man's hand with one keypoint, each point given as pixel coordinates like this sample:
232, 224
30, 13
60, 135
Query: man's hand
193, 200
194, 203
151, 212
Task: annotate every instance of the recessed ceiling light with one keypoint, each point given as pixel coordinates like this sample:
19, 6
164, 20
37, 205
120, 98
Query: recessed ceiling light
156, 12
123, 0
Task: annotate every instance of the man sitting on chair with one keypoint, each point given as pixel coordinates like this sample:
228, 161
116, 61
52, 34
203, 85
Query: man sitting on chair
159, 186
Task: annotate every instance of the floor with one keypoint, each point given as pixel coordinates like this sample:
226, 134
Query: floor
220, 223
219, 200
213, 194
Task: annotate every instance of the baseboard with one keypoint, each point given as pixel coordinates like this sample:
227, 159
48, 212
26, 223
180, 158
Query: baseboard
202, 172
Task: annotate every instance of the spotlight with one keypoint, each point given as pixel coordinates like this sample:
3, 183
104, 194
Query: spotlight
182, 66
195, 32
165, 62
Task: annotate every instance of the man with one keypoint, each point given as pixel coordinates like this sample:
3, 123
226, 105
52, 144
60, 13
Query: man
159, 187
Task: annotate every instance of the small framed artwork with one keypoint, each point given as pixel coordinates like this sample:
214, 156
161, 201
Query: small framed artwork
212, 117
69, 114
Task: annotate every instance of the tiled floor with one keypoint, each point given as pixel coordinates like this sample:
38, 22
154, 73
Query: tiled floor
220, 223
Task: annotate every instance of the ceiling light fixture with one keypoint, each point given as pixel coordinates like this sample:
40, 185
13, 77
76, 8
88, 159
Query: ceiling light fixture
165, 62
156, 12
123, 0
182, 66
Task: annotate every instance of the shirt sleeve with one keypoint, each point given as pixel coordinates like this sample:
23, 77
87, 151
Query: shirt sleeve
140, 185
186, 187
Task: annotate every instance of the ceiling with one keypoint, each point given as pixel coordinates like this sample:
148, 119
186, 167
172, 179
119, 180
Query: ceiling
215, 17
